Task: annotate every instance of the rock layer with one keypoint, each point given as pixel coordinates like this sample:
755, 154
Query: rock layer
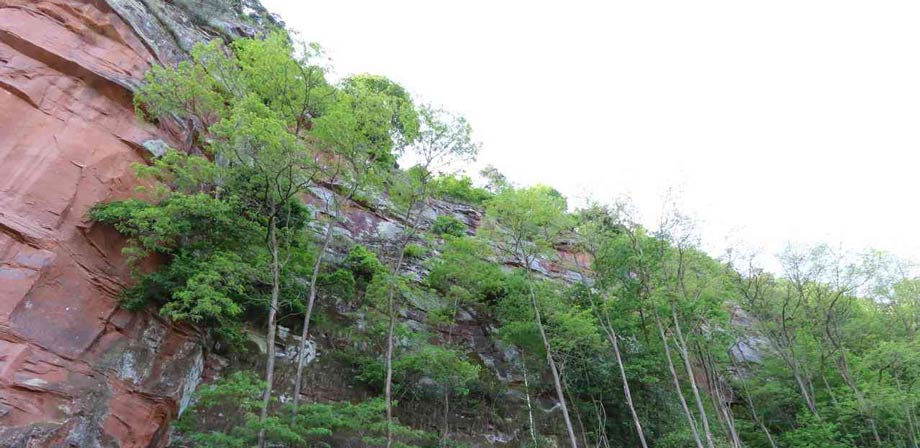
75, 370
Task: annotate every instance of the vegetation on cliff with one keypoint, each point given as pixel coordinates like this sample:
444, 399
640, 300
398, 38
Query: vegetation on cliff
648, 342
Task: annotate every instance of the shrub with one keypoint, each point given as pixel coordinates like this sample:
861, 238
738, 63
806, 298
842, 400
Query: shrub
211, 273
447, 369
339, 284
463, 272
363, 265
448, 225
415, 251
225, 415
459, 188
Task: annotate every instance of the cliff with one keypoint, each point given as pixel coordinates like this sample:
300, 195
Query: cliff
75, 370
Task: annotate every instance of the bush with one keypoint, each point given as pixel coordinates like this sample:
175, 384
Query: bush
415, 251
448, 225
339, 284
463, 272
363, 265
814, 433
459, 188
211, 274
446, 368
225, 415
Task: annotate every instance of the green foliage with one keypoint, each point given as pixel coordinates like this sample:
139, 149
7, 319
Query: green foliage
449, 226
838, 336
396, 118
212, 269
363, 264
198, 220
224, 415
460, 189
415, 250
526, 222
495, 180
516, 315
463, 273
447, 371
370, 120
339, 284
443, 138
814, 433
363, 420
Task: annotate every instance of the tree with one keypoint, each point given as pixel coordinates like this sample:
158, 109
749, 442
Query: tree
634, 263
597, 225
252, 108
443, 138
495, 180
370, 118
451, 375
525, 223
209, 241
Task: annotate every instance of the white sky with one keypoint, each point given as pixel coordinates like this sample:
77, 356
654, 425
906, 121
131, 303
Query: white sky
778, 121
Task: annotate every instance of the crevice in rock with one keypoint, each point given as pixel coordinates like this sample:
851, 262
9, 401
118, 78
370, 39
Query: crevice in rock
114, 90
21, 94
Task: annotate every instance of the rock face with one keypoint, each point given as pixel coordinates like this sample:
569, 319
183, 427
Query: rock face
75, 370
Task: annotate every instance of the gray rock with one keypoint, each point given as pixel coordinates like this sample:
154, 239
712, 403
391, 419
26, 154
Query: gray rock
157, 148
388, 230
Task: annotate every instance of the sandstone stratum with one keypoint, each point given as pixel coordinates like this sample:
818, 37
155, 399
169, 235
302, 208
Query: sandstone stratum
75, 370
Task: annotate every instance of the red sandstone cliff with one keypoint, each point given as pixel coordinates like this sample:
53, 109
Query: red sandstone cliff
75, 370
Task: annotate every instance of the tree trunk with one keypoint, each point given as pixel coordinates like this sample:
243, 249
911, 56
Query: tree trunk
533, 426
803, 388
750, 401
719, 399
388, 385
612, 337
680, 392
391, 305
391, 329
682, 344
581, 423
827, 386
446, 429
860, 398
272, 326
714, 396
552, 365
306, 317
912, 428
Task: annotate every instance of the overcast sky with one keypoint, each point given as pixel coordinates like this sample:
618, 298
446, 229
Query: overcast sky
777, 121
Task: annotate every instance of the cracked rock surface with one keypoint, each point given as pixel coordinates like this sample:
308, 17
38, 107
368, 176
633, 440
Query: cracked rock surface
75, 370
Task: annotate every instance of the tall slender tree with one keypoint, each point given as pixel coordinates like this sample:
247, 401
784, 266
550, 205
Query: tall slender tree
356, 138
525, 223
443, 138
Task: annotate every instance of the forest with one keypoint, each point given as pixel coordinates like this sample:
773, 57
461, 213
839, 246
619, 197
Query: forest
648, 341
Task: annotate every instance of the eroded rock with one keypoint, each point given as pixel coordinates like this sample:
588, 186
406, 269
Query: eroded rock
75, 370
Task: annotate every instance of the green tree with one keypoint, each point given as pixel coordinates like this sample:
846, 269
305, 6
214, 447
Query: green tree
370, 118
443, 138
251, 107
451, 375
597, 226
525, 223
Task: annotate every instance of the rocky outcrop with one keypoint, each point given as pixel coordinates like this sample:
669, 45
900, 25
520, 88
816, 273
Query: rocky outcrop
75, 370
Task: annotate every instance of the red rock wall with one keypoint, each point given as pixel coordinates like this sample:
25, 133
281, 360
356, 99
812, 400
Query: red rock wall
75, 370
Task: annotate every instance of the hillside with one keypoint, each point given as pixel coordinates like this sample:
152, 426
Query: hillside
205, 242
